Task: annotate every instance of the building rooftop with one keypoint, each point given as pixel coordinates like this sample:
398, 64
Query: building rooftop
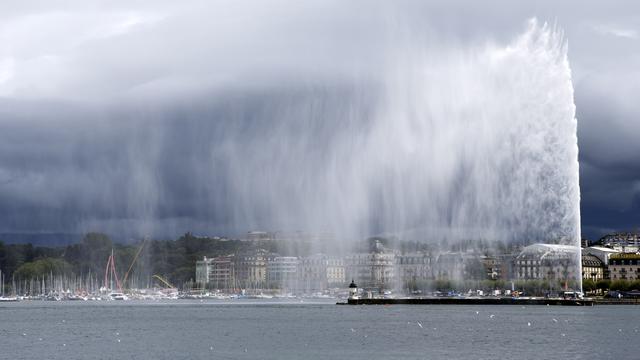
592, 261
547, 250
603, 249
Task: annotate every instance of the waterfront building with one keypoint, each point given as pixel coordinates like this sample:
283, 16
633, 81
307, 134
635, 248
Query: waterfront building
313, 273
282, 272
505, 266
550, 262
603, 254
336, 276
202, 272
449, 265
216, 273
624, 266
492, 267
319, 272
251, 268
413, 267
466, 265
592, 267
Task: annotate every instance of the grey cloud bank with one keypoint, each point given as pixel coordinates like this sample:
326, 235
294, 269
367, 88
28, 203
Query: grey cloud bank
116, 116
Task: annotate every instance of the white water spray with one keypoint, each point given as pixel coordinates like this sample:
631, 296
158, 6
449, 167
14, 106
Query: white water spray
462, 144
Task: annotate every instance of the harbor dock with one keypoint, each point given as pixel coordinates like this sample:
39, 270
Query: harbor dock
470, 301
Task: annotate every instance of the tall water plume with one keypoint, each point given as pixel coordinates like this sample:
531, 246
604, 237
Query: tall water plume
476, 142
464, 144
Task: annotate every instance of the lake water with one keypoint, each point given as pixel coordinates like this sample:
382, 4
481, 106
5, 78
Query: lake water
243, 329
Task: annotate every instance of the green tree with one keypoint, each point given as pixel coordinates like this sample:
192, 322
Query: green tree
603, 284
619, 285
588, 285
634, 285
43, 267
91, 254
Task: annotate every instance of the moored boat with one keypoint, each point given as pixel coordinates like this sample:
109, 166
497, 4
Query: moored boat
118, 296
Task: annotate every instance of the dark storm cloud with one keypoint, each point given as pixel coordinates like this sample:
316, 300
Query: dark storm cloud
117, 115
610, 169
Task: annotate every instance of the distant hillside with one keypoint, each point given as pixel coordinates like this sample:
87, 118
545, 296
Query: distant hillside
41, 239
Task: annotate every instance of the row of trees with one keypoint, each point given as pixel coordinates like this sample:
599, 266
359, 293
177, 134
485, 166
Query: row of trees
531, 287
528, 287
604, 285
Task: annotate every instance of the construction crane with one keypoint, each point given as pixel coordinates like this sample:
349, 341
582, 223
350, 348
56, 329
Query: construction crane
164, 281
126, 275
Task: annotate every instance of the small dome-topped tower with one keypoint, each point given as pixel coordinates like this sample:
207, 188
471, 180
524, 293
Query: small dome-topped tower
353, 290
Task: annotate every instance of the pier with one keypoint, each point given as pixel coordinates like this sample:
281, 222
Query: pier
470, 301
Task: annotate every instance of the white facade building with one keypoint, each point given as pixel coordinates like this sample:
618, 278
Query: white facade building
413, 267
282, 272
336, 276
551, 262
216, 273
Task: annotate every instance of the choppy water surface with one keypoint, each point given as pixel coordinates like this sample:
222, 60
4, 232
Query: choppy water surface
275, 330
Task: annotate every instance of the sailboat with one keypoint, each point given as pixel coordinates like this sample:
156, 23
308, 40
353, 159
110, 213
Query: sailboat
109, 276
2, 297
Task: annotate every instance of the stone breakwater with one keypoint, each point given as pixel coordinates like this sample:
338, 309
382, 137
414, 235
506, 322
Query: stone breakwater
470, 301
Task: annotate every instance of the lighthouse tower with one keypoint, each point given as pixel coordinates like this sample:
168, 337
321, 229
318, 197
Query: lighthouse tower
353, 290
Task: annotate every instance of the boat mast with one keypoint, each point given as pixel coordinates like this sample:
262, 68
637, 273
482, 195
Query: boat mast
110, 273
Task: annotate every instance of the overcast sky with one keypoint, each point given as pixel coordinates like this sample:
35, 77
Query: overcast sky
108, 109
